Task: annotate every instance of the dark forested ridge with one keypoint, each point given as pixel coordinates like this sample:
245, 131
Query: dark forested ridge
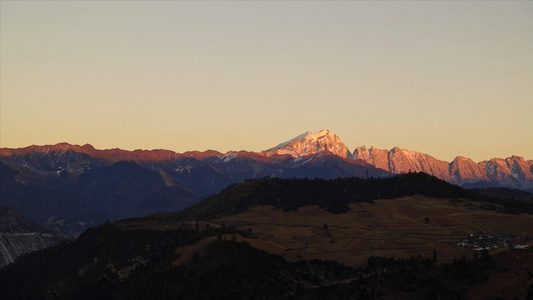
335, 195
506, 194
95, 264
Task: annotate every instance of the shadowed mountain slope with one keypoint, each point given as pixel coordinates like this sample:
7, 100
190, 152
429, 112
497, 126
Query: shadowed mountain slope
67, 205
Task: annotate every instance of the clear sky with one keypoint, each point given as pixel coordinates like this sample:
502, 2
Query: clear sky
445, 78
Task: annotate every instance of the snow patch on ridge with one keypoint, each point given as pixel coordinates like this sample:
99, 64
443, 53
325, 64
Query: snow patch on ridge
228, 158
300, 137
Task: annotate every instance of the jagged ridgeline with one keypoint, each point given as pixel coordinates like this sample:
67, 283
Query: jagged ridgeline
335, 195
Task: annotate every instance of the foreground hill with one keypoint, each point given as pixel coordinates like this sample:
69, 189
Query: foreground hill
335, 239
336, 195
104, 269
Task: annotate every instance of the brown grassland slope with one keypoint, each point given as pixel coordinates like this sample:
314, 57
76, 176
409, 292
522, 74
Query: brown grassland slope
394, 228
399, 228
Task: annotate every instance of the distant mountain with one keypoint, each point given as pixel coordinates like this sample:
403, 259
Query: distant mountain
513, 172
67, 188
20, 236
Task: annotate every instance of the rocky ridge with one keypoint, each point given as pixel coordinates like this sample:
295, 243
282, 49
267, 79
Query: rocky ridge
514, 171
20, 236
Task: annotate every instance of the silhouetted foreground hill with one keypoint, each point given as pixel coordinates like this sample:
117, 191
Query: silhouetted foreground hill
110, 262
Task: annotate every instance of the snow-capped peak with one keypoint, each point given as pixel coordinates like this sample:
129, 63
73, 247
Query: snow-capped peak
300, 137
310, 143
304, 136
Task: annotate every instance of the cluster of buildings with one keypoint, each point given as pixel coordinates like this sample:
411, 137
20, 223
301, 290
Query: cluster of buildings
481, 241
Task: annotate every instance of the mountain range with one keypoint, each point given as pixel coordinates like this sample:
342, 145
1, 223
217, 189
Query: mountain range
67, 188
513, 171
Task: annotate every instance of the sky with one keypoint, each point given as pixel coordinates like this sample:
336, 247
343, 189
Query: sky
446, 78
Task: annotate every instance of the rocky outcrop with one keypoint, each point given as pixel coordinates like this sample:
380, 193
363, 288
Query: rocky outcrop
19, 236
512, 171
374, 156
465, 170
404, 161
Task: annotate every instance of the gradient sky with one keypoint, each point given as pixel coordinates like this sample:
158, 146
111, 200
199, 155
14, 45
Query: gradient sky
444, 78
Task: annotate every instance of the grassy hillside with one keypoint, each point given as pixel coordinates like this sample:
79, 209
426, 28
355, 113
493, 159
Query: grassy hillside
396, 228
